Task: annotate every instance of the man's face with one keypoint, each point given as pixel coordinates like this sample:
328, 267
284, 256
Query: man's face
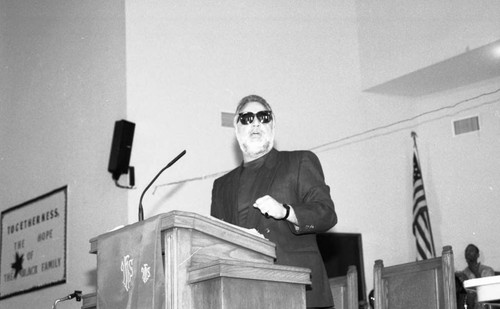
471, 254
255, 138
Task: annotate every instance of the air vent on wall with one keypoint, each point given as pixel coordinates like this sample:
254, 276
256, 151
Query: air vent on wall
227, 119
466, 125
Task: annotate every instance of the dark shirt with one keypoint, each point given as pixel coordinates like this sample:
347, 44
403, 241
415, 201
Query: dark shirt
247, 180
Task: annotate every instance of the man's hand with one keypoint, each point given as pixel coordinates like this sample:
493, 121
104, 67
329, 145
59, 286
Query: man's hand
269, 207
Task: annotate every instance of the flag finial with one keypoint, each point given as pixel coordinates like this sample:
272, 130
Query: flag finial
414, 136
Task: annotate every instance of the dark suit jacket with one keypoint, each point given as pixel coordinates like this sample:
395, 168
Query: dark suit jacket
295, 178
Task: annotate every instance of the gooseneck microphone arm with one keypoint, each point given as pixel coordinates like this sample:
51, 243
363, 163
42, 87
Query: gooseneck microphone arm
141, 209
76, 294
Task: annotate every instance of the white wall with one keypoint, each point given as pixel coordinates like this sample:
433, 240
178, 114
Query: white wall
186, 66
62, 88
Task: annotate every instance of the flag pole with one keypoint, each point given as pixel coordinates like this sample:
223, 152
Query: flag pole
414, 136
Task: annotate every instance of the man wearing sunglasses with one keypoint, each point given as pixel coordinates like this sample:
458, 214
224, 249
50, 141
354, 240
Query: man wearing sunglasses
282, 194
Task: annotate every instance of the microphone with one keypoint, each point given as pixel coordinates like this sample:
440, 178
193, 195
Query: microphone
76, 294
141, 209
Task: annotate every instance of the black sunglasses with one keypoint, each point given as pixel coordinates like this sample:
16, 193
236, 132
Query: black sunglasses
247, 118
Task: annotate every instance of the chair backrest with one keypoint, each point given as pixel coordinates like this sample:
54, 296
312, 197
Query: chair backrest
345, 289
422, 284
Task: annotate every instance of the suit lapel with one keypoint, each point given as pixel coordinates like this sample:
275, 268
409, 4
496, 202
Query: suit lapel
231, 197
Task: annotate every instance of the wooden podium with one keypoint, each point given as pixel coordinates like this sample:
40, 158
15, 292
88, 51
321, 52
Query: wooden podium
209, 264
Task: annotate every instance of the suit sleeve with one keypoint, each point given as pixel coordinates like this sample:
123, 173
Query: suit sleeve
315, 210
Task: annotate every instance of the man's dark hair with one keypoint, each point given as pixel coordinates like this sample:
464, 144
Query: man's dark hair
473, 246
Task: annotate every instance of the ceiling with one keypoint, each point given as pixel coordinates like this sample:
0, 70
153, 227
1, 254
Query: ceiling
470, 67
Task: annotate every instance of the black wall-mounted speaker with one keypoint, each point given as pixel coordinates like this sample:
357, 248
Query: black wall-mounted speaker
121, 148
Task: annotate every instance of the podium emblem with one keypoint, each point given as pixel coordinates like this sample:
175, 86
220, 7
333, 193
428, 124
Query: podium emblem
146, 273
128, 271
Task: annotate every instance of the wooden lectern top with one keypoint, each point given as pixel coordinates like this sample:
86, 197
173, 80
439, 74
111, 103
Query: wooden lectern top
207, 225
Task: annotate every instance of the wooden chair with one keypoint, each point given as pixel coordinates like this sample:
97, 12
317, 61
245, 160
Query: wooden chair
345, 289
426, 284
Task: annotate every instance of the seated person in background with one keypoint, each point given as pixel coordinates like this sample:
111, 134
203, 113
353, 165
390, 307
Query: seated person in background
474, 270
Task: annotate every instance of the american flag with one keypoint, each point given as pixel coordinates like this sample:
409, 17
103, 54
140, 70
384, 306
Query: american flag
421, 221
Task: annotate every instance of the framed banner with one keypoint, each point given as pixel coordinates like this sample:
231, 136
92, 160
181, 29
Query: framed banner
33, 244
